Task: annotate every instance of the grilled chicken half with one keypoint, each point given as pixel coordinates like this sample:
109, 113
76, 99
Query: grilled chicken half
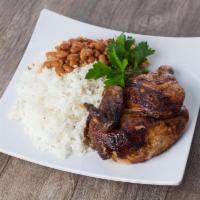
127, 127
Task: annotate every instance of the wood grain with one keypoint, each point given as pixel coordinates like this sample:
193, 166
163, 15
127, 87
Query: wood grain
23, 180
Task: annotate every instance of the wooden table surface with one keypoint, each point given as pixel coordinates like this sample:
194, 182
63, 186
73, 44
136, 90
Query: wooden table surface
21, 180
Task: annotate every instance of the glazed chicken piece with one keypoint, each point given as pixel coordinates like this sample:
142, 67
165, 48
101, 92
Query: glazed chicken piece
107, 117
155, 94
126, 134
139, 138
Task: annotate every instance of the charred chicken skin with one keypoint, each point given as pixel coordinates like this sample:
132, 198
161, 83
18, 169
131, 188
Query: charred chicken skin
127, 127
155, 94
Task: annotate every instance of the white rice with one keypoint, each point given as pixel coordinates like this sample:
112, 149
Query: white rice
50, 108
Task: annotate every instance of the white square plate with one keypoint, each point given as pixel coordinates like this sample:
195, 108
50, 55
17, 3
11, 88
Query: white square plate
166, 169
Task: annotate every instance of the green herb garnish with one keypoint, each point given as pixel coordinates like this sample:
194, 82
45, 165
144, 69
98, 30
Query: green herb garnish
125, 58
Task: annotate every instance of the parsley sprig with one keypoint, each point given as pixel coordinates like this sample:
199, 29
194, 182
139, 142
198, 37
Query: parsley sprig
125, 59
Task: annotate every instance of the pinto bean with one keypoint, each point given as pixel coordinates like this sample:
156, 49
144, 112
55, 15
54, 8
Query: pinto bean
76, 47
91, 45
51, 55
61, 54
102, 58
91, 59
60, 70
73, 56
65, 46
73, 63
96, 53
68, 68
54, 63
85, 53
99, 45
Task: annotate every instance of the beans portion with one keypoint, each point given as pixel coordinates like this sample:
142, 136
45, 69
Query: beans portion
76, 52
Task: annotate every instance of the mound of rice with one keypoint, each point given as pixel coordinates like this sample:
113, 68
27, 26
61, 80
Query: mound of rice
51, 108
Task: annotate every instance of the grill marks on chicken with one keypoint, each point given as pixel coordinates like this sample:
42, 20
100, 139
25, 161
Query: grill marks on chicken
107, 117
155, 94
146, 136
134, 126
